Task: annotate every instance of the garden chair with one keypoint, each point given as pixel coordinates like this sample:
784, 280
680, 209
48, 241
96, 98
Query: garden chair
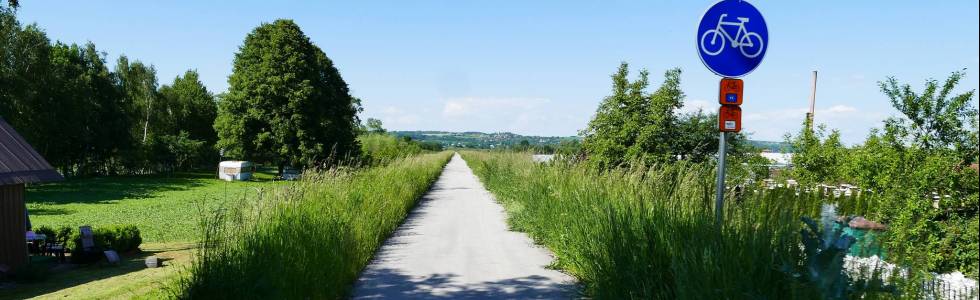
88, 238
57, 248
88, 252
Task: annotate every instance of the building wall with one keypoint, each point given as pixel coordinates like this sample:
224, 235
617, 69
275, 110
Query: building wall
13, 225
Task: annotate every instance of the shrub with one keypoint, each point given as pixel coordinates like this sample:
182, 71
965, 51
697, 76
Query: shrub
63, 235
121, 238
45, 230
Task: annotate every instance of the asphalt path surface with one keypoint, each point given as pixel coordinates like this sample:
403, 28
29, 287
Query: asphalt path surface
456, 245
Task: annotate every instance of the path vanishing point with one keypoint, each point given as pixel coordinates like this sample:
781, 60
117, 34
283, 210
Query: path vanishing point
456, 245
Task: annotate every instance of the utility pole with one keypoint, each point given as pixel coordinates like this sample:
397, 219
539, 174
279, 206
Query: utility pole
813, 102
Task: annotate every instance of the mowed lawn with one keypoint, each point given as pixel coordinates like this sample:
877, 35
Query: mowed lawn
166, 208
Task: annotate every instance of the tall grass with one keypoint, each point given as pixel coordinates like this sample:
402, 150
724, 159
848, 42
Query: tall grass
309, 240
380, 148
650, 233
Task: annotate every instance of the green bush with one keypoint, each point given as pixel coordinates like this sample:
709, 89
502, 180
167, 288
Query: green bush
45, 230
121, 238
63, 235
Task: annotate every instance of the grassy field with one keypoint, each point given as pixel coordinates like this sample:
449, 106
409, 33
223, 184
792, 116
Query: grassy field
310, 240
650, 233
164, 208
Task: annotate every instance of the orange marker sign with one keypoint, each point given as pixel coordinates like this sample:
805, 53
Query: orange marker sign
730, 118
730, 91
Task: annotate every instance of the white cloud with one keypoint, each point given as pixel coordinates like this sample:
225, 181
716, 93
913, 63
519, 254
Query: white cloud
839, 109
391, 115
773, 124
453, 108
697, 104
468, 106
833, 112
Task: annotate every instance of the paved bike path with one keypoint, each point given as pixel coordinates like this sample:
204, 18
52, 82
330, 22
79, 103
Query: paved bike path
456, 245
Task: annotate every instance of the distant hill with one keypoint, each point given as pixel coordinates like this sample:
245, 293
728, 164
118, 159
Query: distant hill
481, 140
772, 146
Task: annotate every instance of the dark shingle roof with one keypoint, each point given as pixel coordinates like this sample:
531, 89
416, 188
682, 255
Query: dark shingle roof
19, 163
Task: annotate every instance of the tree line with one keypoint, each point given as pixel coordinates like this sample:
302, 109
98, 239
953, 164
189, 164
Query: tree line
87, 119
286, 105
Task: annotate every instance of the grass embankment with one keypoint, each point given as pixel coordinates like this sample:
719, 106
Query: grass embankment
312, 239
651, 233
166, 208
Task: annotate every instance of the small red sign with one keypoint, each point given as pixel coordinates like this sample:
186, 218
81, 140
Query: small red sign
730, 118
730, 91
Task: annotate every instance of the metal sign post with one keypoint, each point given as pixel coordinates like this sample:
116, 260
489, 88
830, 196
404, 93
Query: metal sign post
720, 183
732, 40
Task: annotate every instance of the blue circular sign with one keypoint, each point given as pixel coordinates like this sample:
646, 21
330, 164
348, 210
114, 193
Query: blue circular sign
732, 38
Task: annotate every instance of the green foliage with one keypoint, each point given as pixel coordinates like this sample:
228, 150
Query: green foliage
310, 240
934, 119
820, 157
138, 83
569, 149
181, 148
45, 230
286, 102
431, 146
918, 169
920, 163
122, 238
634, 126
190, 110
85, 119
373, 125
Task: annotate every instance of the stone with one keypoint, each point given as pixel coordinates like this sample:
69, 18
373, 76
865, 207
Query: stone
152, 262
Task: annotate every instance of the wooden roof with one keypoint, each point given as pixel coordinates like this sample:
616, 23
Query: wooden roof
19, 162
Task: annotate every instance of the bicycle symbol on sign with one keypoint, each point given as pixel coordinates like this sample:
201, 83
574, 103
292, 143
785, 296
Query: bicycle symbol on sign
749, 43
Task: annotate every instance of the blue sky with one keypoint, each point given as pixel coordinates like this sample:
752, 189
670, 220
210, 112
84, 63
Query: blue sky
542, 68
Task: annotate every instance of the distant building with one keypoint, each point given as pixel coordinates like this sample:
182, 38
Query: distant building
20, 164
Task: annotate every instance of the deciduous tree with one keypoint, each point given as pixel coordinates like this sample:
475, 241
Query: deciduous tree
286, 102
